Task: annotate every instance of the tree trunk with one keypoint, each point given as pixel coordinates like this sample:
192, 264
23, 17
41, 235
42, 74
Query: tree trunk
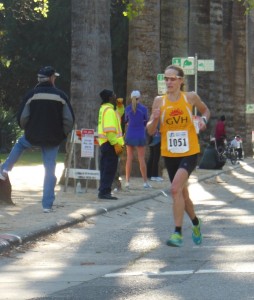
248, 142
5, 192
215, 88
91, 64
238, 70
174, 31
144, 57
90, 59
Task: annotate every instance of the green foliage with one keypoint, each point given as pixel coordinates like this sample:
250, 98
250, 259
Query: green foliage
32, 157
249, 5
9, 130
134, 8
27, 45
42, 8
26, 9
130, 8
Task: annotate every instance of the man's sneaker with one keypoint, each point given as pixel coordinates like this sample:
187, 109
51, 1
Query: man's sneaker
175, 240
196, 234
3, 174
158, 179
147, 185
48, 210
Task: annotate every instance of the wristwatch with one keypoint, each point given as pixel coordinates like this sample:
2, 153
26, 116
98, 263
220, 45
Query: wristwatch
204, 119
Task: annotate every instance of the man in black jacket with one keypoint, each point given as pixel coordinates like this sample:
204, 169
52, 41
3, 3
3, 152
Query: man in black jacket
47, 117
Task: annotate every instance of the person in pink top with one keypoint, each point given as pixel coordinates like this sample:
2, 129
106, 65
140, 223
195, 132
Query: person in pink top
220, 132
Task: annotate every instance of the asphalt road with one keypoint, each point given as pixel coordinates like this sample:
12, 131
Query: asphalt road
122, 254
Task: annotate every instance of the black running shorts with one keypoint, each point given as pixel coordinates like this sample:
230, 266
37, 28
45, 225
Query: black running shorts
188, 163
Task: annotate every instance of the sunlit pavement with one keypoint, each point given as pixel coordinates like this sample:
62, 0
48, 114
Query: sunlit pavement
25, 221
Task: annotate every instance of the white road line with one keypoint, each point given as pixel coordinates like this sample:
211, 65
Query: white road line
174, 273
149, 273
241, 247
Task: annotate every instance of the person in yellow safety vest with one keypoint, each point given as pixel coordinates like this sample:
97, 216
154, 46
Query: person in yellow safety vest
110, 139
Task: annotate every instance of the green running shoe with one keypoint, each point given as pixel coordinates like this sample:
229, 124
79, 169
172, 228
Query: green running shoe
196, 234
176, 240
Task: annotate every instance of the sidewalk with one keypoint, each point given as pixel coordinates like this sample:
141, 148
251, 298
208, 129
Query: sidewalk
26, 221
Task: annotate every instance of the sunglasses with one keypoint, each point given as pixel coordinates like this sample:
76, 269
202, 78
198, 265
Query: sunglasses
172, 78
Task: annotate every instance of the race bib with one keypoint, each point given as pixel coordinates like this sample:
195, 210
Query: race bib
178, 141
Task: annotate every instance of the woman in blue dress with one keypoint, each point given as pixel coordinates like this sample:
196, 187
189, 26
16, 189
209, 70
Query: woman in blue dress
136, 117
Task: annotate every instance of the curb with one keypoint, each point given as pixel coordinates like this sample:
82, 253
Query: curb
7, 241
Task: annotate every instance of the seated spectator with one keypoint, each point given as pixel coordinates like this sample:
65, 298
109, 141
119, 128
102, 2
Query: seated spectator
211, 159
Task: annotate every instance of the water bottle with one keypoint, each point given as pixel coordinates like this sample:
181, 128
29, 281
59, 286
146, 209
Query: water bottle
78, 188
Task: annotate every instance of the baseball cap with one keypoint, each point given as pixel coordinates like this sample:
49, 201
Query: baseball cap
47, 71
135, 94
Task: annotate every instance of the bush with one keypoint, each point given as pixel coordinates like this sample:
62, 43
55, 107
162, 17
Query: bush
9, 130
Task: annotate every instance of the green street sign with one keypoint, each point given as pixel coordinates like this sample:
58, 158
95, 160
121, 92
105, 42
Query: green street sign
249, 109
186, 63
206, 65
160, 77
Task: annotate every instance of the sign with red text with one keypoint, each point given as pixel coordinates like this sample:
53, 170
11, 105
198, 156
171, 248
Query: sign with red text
87, 142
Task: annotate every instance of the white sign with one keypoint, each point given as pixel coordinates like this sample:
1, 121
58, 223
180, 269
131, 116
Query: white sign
87, 143
249, 108
162, 88
186, 63
84, 174
206, 65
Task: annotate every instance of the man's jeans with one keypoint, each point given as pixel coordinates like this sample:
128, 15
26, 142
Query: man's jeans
49, 155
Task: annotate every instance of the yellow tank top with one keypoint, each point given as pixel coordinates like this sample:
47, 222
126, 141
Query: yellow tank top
178, 134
